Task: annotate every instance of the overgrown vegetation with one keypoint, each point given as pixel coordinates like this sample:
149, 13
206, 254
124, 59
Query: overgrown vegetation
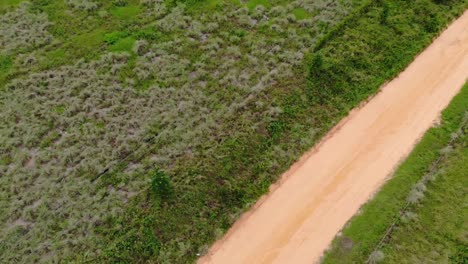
21, 29
140, 130
420, 215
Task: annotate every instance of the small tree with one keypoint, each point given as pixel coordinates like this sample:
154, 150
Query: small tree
161, 185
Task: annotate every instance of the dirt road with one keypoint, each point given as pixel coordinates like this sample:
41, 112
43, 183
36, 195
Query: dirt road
298, 219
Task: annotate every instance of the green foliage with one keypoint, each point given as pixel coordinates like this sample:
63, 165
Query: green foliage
143, 242
251, 4
125, 12
85, 5
161, 185
114, 37
436, 234
5, 63
301, 13
55, 58
188, 3
120, 2
148, 34
86, 46
124, 44
8, 3
350, 72
461, 253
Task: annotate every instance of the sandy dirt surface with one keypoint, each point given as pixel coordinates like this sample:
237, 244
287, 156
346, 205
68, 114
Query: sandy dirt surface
310, 204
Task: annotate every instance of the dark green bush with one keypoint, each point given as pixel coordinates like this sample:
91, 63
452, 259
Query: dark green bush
5, 63
161, 185
142, 243
120, 2
113, 37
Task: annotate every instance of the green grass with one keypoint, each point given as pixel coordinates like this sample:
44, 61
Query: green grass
5, 63
5, 4
112, 37
207, 5
83, 34
122, 41
87, 45
84, 46
124, 44
125, 12
301, 13
55, 58
437, 234
10, 2
253, 3
5, 66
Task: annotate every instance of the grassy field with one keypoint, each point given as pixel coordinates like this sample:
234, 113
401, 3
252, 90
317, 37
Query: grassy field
419, 215
140, 130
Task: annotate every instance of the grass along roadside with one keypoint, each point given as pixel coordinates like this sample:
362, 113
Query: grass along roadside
419, 214
435, 229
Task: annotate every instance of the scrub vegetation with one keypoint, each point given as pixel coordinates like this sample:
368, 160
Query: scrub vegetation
140, 130
23, 30
419, 216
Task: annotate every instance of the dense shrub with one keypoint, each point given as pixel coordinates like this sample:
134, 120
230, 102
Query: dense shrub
20, 29
161, 184
74, 122
86, 5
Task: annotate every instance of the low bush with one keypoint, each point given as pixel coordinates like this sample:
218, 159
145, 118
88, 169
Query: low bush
161, 185
86, 5
21, 30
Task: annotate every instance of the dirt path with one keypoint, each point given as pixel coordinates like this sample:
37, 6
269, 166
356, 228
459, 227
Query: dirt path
297, 220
